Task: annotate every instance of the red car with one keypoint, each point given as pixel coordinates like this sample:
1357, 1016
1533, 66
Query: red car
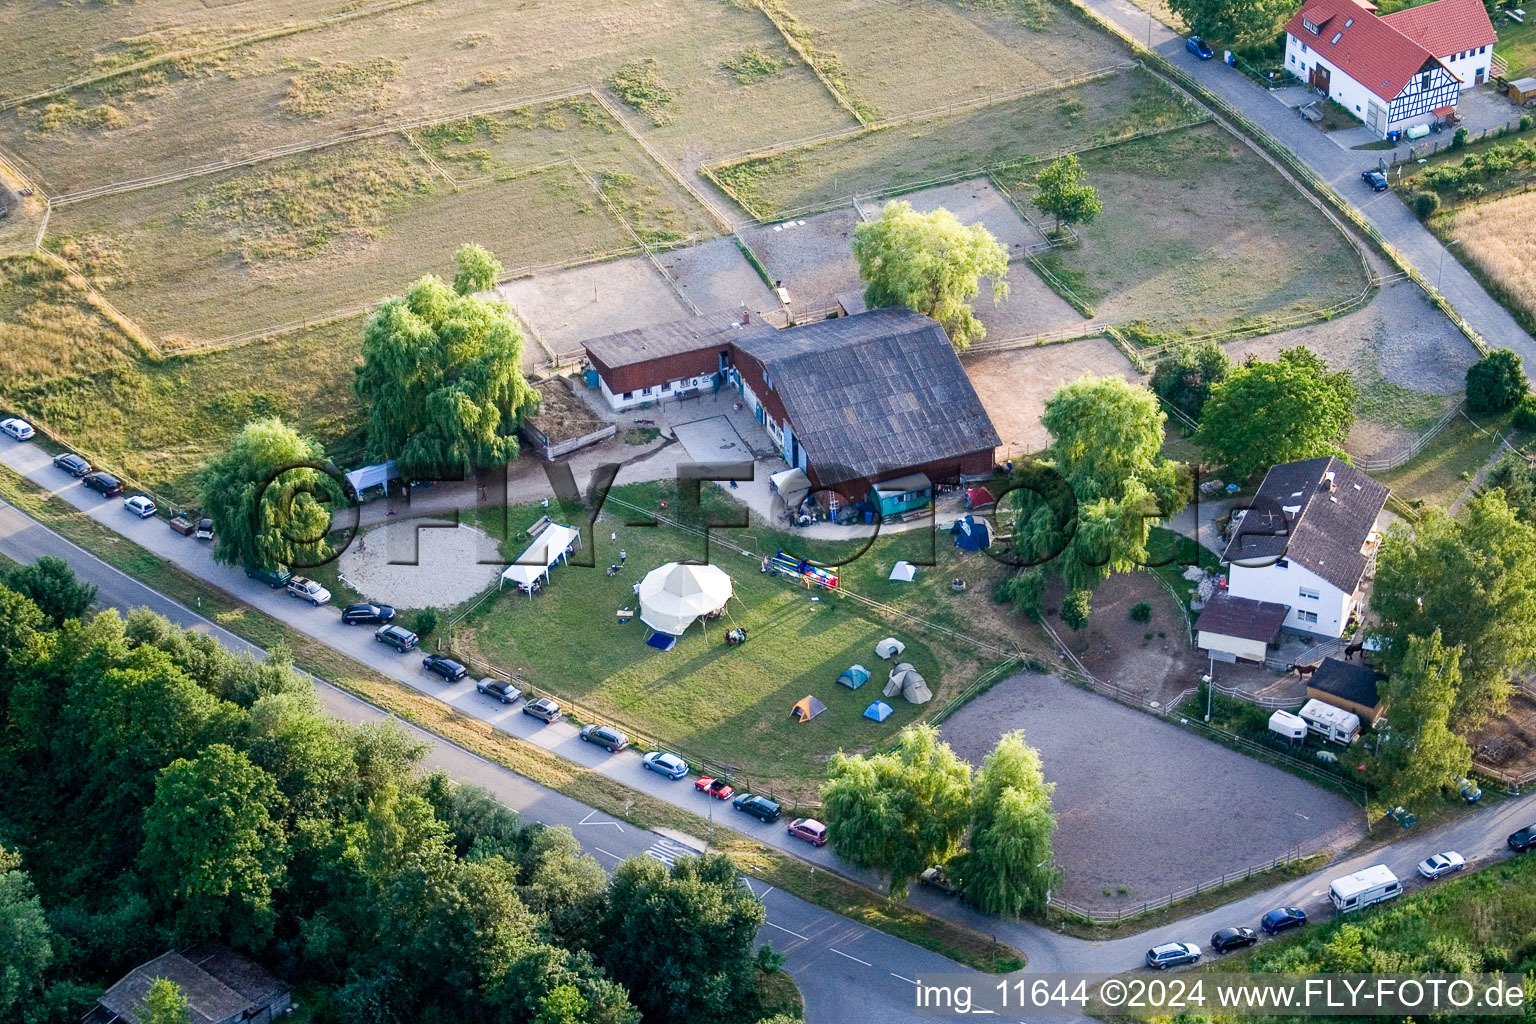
809, 829
717, 788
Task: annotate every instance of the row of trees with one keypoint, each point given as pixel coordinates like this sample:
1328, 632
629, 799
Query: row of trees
911, 808
161, 790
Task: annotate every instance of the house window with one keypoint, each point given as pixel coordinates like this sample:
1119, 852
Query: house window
1310, 595
1293, 58
1283, 563
1307, 24
1424, 81
1306, 616
1348, 22
628, 395
1335, 40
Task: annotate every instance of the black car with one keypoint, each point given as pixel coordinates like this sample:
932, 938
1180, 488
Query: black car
1376, 179
604, 736
760, 807
1228, 939
442, 665
1524, 839
72, 464
398, 637
104, 484
1281, 918
274, 578
542, 708
500, 689
367, 614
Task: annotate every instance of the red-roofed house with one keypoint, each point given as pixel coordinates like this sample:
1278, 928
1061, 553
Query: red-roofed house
1392, 72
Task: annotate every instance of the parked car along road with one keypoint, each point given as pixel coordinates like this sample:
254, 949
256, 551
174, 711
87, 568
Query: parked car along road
717, 788
1229, 939
1198, 47
1172, 954
500, 689
20, 429
273, 578
1281, 918
104, 484
398, 637
760, 807
205, 532
442, 665
140, 506
809, 829
1376, 179
604, 736
367, 614
1445, 863
542, 708
662, 763
72, 464
306, 588
1523, 840
935, 878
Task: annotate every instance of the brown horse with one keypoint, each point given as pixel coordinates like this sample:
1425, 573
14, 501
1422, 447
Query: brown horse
1304, 671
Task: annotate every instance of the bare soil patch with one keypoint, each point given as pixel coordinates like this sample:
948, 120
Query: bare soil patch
1015, 385
715, 275
1509, 743
1154, 659
568, 306
415, 565
562, 414
813, 256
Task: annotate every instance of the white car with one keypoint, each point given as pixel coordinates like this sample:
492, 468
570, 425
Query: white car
140, 506
309, 590
21, 430
1442, 864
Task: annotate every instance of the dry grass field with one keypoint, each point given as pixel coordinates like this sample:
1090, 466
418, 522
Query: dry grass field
1497, 236
822, 174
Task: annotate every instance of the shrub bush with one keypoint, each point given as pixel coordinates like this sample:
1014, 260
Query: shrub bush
1141, 611
1076, 608
1425, 204
1525, 122
424, 622
1495, 382
1460, 138
1525, 415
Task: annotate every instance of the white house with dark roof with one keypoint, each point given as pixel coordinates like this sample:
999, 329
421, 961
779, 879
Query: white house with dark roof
1393, 71
1307, 541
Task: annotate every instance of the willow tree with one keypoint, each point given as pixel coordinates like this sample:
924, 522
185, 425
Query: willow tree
1009, 867
930, 263
442, 380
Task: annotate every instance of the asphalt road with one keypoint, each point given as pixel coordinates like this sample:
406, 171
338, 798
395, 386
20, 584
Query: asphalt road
848, 973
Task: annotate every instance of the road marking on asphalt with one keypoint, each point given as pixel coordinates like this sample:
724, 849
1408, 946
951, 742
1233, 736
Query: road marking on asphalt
786, 931
765, 894
909, 981
587, 820
666, 851
605, 853
855, 959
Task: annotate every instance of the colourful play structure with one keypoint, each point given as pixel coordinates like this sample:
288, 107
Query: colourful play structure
798, 569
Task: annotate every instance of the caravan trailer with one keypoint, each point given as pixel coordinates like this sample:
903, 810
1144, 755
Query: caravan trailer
1331, 723
1366, 886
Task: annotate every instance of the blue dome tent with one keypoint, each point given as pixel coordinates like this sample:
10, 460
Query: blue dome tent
879, 711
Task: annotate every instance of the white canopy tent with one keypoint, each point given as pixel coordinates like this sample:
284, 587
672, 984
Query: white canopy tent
551, 546
674, 595
378, 475
792, 485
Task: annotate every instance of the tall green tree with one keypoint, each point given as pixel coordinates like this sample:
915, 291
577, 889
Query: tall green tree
478, 270
681, 939
1421, 755
442, 382
267, 507
1106, 445
164, 1003
1495, 382
52, 585
214, 847
1472, 580
932, 264
901, 811
1009, 867
1062, 191
26, 941
1185, 376
1266, 413
1233, 21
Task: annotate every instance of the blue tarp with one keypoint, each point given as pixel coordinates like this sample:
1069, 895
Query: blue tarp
855, 677
662, 641
879, 711
972, 534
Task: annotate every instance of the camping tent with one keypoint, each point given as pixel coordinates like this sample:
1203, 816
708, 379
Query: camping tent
979, 497
972, 534
807, 708
674, 595
855, 677
792, 485
903, 571
879, 711
889, 647
548, 548
378, 475
909, 682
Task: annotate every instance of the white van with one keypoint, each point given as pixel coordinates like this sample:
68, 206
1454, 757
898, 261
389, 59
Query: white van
1366, 886
1331, 723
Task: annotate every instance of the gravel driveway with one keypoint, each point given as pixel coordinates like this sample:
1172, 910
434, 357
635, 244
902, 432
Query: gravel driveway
1143, 804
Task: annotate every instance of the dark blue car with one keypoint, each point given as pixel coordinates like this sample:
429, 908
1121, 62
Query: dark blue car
1285, 917
1198, 47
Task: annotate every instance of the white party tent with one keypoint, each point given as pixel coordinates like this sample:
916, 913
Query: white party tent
674, 595
552, 544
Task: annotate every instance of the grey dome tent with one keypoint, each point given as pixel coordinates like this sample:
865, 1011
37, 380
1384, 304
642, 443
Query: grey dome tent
889, 648
908, 682
855, 677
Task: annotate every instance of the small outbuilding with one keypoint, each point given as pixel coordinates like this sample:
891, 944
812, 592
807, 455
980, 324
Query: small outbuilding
220, 986
1353, 687
903, 495
1522, 90
854, 677
1238, 627
878, 711
807, 708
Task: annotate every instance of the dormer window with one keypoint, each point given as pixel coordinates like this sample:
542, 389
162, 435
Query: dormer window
1308, 24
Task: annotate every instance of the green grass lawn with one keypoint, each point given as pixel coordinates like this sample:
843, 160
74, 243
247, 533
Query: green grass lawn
1439, 473
731, 704
1517, 45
